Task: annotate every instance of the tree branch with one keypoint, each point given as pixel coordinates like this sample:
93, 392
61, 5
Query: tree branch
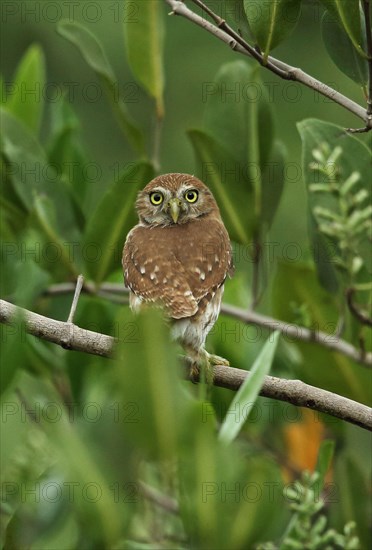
114, 292
296, 332
367, 19
226, 34
358, 314
291, 391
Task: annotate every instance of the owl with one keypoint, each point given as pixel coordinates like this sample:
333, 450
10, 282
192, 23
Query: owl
178, 256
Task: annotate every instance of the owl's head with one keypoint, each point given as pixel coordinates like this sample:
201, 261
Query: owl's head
174, 199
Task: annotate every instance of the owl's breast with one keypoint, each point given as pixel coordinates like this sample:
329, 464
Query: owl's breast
178, 266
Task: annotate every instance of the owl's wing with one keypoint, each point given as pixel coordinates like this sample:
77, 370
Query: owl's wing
153, 272
209, 259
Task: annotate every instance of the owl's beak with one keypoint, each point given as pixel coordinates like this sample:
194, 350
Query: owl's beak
174, 206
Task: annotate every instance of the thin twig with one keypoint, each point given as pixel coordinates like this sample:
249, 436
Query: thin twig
78, 288
253, 52
358, 314
237, 43
163, 501
367, 19
291, 391
296, 332
256, 264
289, 330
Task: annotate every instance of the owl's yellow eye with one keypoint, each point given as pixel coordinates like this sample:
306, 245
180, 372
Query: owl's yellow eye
156, 198
191, 195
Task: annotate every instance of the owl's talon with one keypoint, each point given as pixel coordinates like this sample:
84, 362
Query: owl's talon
194, 373
217, 360
200, 366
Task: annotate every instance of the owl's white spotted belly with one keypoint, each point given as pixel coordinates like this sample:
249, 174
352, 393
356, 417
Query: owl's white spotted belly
192, 331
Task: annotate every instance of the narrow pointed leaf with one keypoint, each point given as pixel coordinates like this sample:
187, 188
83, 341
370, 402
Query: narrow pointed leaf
248, 392
325, 456
95, 56
147, 376
45, 220
144, 42
238, 115
76, 459
113, 218
273, 183
29, 172
25, 157
221, 173
66, 151
26, 101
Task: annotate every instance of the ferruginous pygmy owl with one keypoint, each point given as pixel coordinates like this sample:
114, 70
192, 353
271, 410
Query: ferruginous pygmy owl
179, 256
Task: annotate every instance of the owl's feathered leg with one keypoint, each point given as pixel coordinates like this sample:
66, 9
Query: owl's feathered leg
202, 361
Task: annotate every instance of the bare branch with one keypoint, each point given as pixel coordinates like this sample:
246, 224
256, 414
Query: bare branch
368, 22
330, 341
358, 314
291, 391
58, 332
300, 394
114, 292
224, 33
78, 289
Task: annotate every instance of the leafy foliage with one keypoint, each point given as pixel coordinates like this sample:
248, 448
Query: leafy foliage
126, 453
271, 23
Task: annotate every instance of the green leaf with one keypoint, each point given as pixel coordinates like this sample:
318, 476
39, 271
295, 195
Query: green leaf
44, 218
235, 16
247, 394
221, 503
144, 42
351, 496
296, 287
238, 115
232, 162
355, 157
273, 183
13, 354
76, 460
348, 14
66, 152
2, 91
325, 457
95, 56
271, 22
221, 173
146, 377
25, 158
342, 51
26, 101
324, 258
23, 280
28, 171
14, 211
113, 218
